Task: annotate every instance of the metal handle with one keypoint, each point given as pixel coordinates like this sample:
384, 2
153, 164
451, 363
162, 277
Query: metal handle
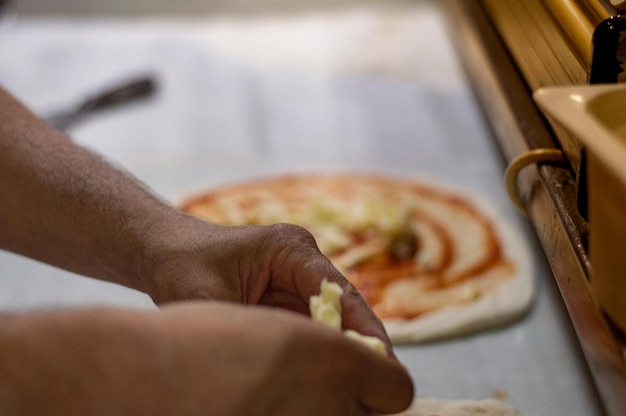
120, 94
132, 90
520, 162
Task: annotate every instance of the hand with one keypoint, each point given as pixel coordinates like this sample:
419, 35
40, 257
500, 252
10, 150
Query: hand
277, 265
71, 209
210, 358
192, 358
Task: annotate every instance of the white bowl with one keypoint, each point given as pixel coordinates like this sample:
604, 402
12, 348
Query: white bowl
596, 116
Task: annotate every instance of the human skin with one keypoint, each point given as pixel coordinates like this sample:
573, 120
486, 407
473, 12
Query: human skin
232, 335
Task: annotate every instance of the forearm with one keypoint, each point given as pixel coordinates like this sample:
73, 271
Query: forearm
40, 354
76, 361
105, 361
190, 358
63, 205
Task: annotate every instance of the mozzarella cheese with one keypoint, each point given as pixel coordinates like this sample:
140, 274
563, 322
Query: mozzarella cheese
326, 309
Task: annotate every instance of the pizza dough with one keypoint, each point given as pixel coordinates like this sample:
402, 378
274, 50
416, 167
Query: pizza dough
443, 407
430, 260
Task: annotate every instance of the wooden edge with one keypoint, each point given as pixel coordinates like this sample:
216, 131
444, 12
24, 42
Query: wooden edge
575, 24
549, 191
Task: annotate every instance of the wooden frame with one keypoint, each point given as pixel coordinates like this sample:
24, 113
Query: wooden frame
549, 191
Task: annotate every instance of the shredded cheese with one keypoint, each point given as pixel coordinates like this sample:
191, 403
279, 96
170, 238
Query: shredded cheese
326, 309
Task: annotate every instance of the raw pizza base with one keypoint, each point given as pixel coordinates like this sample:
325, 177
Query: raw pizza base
505, 302
443, 407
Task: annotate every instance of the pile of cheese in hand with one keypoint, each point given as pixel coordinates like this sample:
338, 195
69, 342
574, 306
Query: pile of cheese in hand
326, 309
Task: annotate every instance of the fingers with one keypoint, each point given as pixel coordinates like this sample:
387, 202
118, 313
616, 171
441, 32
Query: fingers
358, 316
310, 267
381, 383
287, 353
307, 268
387, 386
356, 375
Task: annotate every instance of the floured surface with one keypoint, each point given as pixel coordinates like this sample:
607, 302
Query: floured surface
443, 407
363, 42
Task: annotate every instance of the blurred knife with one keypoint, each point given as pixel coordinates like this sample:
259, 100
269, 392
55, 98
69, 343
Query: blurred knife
120, 94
